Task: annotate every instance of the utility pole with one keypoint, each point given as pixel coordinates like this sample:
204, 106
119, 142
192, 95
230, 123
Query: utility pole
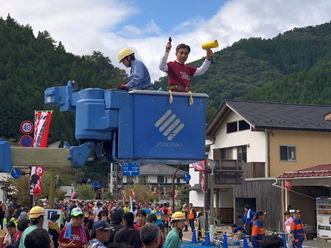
206, 196
111, 178
116, 188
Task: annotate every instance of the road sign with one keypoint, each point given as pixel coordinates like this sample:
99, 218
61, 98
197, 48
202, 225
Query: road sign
26, 127
288, 184
187, 177
16, 173
26, 141
130, 169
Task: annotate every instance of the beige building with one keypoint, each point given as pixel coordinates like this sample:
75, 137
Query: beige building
270, 139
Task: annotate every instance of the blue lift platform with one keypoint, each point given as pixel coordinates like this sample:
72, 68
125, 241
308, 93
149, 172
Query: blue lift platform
135, 126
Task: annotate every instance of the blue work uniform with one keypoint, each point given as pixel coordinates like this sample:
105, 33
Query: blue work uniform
299, 232
258, 233
139, 76
246, 219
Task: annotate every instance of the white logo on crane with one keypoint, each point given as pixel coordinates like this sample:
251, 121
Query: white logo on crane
169, 125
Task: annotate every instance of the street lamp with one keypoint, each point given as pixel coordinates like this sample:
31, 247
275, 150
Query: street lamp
212, 165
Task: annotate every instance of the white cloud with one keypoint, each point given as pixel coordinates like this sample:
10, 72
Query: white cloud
84, 26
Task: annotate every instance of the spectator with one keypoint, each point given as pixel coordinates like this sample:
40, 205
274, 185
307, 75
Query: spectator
100, 234
185, 211
248, 219
192, 216
36, 216
38, 238
116, 217
258, 231
54, 229
272, 241
178, 222
128, 235
151, 219
141, 217
75, 234
150, 236
11, 230
22, 224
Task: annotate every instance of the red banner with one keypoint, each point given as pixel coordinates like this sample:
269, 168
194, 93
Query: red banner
43, 120
203, 182
123, 196
73, 195
36, 179
199, 166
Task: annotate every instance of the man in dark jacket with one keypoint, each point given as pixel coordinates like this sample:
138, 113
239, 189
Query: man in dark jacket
128, 235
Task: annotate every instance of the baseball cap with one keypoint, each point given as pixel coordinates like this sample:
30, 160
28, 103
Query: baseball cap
101, 225
259, 213
76, 212
297, 211
292, 210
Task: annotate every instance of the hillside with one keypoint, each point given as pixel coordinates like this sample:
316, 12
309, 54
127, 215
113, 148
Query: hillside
29, 65
249, 64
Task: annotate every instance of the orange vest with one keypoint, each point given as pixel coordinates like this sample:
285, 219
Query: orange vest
191, 216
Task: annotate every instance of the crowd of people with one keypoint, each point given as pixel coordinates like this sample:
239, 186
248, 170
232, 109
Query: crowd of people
84, 224
254, 229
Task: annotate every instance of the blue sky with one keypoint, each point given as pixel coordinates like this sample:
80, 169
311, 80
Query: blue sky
168, 14
145, 25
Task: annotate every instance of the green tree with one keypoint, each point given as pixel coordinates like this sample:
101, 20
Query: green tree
85, 191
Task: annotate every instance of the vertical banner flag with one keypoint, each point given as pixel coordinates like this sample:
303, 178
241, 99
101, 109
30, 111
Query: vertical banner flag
200, 166
41, 128
36, 179
176, 194
203, 182
123, 196
131, 199
73, 195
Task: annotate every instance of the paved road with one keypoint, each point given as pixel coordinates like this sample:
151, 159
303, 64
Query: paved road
187, 237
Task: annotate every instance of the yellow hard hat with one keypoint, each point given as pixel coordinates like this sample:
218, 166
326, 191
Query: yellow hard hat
123, 53
178, 216
35, 212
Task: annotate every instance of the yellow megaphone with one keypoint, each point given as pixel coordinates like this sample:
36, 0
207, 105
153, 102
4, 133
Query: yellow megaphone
212, 44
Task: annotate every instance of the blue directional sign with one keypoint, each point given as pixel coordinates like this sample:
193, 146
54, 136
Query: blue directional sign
130, 169
16, 173
187, 177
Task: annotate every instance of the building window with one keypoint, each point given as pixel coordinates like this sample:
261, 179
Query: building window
226, 153
242, 153
178, 180
243, 125
231, 127
143, 179
288, 153
160, 179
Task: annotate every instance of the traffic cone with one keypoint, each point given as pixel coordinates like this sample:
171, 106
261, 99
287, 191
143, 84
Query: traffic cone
245, 243
207, 243
225, 241
194, 237
284, 239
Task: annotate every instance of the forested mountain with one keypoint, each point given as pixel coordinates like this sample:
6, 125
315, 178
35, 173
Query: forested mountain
291, 67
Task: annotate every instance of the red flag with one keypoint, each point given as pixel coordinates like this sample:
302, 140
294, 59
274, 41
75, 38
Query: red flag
36, 179
43, 120
73, 195
199, 166
203, 182
123, 196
